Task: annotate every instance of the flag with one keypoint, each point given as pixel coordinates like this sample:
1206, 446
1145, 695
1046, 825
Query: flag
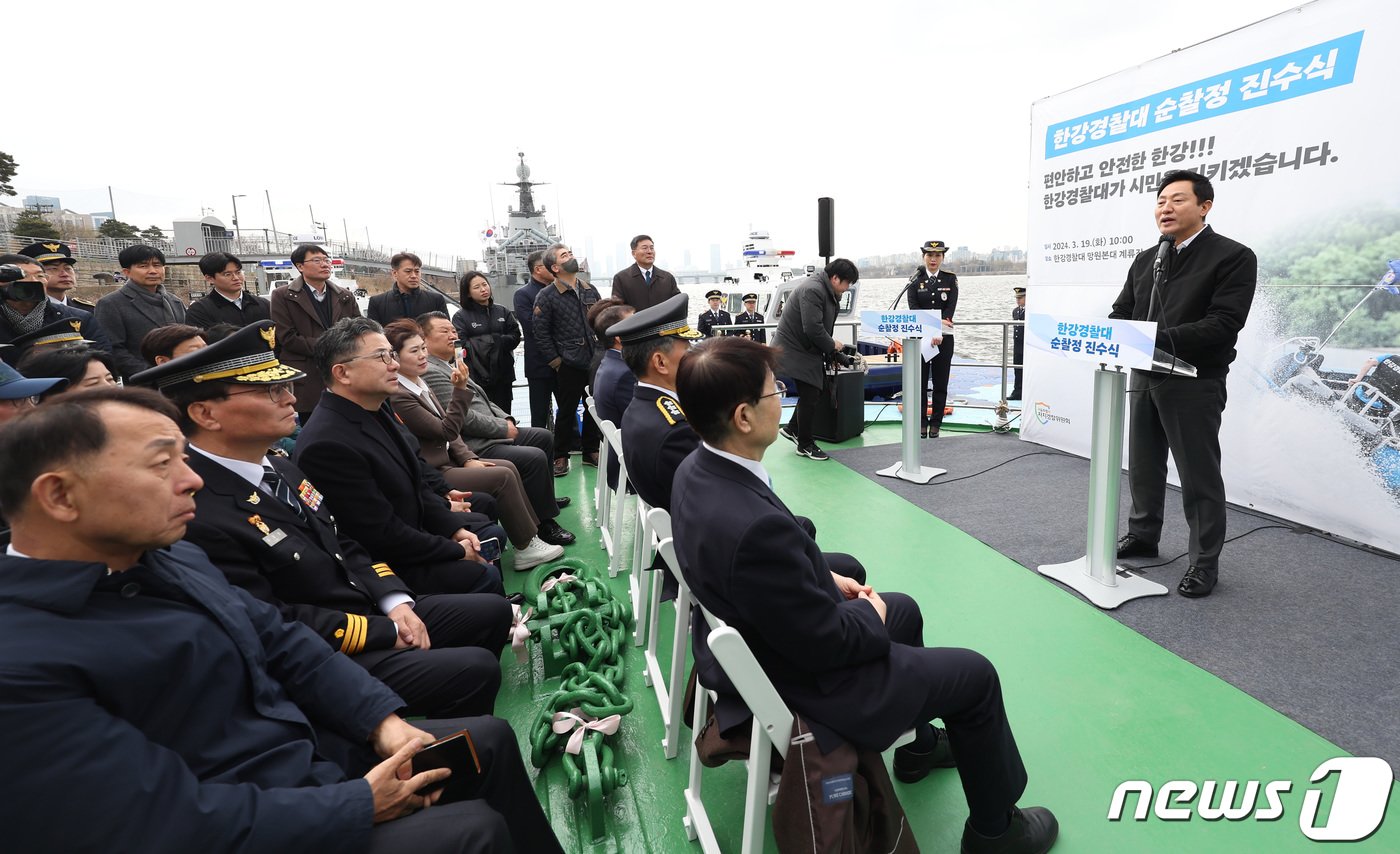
1390, 282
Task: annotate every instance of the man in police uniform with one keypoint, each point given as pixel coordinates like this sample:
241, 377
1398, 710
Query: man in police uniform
751, 315
716, 316
270, 531
934, 289
60, 269
656, 436
1018, 341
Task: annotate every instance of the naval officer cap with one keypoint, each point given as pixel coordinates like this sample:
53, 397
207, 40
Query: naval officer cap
246, 357
667, 319
750, 297
932, 247
715, 294
49, 250
59, 335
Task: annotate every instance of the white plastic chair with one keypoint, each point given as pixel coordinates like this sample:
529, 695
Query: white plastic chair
670, 685
772, 730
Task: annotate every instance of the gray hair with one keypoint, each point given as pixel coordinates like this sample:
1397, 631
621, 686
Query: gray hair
551, 256
340, 342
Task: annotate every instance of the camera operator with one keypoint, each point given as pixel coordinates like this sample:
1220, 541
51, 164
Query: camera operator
25, 308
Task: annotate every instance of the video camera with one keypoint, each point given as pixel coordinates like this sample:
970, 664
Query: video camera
13, 289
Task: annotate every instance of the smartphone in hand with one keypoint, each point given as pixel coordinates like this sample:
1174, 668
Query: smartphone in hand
457, 753
490, 550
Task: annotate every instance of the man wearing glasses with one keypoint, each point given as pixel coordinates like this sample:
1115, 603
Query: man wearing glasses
358, 453
265, 525
227, 301
303, 310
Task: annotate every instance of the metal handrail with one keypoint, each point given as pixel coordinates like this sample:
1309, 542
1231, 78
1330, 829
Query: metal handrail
1006, 364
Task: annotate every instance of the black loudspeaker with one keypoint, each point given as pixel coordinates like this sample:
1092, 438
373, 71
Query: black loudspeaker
826, 226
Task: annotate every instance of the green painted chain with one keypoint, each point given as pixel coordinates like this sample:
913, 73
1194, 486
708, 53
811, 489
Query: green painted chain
581, 620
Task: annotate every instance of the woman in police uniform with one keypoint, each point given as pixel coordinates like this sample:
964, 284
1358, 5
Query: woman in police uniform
932, 289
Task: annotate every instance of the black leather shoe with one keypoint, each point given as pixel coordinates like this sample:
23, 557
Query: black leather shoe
1197, 582
1130, 546
516, 598
1033, 830
911, 766
561, 503
551, 533
590, 458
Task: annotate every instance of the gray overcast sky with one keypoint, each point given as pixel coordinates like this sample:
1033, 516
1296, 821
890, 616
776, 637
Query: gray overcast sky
690, 121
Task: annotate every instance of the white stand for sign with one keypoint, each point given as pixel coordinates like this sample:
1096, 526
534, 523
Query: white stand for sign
909, 468
1097, 575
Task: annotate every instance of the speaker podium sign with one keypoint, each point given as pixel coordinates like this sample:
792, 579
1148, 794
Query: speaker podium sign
919, 332
1115, 345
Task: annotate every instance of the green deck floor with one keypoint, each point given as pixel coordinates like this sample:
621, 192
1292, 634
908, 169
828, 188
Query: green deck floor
1092, 703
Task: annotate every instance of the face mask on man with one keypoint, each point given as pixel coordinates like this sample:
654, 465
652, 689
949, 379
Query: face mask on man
570, 266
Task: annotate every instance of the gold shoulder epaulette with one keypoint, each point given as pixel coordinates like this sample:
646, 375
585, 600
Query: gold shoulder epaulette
670, 409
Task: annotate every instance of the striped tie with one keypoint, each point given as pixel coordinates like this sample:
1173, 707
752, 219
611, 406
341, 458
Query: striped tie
280, 488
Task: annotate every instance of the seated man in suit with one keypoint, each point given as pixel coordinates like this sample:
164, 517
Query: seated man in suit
846, 658
269, 530
133, 659
358, 454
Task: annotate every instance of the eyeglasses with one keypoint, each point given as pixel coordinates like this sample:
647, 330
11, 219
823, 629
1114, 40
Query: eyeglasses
319, 260
232, 274
275, 391
781, 390
23, 402
388, 357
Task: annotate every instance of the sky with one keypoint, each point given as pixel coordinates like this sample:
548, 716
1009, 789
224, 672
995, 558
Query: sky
694, 123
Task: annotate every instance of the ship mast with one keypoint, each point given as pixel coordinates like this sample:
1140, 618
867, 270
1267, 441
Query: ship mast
527, 199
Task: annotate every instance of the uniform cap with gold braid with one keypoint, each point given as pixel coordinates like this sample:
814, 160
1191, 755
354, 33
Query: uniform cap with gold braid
247, 357
49, 250
659, 321
934, 246
59, 335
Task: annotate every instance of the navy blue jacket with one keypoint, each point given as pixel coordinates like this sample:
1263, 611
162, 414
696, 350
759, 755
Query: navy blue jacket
160, 709
613, 385
655, 439
831, 659
536, 368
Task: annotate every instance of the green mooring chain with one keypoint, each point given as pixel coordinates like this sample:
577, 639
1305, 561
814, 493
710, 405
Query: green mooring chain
581, 622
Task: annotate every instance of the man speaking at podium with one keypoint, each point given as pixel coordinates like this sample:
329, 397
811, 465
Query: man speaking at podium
1197, 286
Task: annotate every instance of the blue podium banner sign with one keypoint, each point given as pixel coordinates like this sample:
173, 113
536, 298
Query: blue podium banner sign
1128, 343
897, 325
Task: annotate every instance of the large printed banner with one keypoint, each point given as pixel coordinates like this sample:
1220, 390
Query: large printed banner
1294, 121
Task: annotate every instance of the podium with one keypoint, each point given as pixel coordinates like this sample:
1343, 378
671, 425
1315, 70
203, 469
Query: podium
1097, 575
915, 326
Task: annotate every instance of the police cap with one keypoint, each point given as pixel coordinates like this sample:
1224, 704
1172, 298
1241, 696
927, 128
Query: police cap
714, 294
934, 247
49, 250
246, 357
59, 335
659, 321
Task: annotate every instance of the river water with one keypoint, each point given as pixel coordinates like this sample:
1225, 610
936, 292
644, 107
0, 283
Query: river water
979, 298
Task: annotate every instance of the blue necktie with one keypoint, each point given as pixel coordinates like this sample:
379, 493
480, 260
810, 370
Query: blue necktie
280, 488
647, 276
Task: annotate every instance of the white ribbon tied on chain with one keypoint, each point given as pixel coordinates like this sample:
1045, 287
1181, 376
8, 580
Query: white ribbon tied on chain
554, 581
581, 724
519, 632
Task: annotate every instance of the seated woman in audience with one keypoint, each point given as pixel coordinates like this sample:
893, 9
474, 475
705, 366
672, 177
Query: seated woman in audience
438, 433
166, 342
83, 367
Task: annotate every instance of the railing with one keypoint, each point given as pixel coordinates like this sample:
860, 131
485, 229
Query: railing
1006, 364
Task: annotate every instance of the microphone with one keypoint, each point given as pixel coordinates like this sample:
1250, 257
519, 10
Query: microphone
1164, 247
